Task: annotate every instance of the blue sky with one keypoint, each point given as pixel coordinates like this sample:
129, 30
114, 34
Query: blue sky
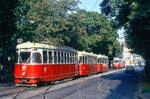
90, 5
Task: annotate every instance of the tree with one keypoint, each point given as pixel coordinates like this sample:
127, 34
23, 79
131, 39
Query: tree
7, 30
99, 36
134, 16
45, 20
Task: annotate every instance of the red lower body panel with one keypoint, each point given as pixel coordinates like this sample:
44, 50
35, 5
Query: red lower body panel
117, 66
99, 67
105, 67
87, 69
43, 73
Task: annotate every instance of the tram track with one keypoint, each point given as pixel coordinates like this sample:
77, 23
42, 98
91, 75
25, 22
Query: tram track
10, 91
12, 87
14, 92
23, 90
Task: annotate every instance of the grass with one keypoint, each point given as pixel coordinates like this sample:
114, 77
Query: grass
146, 87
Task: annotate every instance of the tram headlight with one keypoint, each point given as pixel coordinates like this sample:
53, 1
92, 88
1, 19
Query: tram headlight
24, 67
23, 73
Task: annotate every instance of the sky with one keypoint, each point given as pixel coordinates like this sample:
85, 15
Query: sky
93, 5
90, 5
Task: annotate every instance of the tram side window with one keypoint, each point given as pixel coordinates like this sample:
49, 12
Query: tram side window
98, 61
85, 59
67, 58
50, 57
44, 56
81, 59
95, 60
55, 57
59, 57
92, 60
89, 60
62, 57
71, 58
36, 58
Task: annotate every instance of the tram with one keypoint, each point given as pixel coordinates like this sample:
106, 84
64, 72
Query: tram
117, 63
41, 62
38, 62
87, 63
102, 65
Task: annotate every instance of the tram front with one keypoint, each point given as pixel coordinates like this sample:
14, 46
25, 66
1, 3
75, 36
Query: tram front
28, 66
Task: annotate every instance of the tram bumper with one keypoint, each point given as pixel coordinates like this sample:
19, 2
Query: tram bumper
27, 80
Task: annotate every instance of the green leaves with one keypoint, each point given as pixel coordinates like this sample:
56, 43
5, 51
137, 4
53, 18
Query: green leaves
60, 22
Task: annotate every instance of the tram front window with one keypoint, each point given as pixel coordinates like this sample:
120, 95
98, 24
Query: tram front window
24, 57
36, 58
116, 61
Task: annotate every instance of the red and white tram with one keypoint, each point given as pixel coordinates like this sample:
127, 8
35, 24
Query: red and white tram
38, 62
117, 63
87, 63
105, 63
102, 65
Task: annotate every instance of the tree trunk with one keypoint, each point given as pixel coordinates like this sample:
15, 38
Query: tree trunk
147, 70
110, 62
4, 59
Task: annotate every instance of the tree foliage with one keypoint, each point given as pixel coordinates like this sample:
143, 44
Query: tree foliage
44, 20
98, 33
134, 16
62, 23
7, 30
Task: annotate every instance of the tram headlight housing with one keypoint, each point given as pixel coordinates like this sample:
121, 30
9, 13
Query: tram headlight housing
23, 73
24, 67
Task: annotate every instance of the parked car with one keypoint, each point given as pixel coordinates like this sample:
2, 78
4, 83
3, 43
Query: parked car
130, 69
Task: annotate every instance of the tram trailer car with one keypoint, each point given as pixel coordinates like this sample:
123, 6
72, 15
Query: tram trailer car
38, 62
117, 63
105, 63
102, 65
99, 64
87, 63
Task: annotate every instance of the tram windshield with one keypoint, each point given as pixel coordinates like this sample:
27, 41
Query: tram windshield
30, 57
36, 57
24, 57
117, 61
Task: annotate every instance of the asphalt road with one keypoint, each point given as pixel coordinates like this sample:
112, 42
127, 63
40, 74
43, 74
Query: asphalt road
115, 84
118, 85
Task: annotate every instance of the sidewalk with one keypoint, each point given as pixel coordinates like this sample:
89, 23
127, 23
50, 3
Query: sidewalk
145, 95
145, 90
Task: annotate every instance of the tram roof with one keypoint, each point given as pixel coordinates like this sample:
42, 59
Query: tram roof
81, 53
40, 45
116, 58
101, 56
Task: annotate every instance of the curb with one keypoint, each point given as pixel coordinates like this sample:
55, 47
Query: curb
144, 96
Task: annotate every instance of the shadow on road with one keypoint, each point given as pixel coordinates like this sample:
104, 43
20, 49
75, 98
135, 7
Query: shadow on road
125, 85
